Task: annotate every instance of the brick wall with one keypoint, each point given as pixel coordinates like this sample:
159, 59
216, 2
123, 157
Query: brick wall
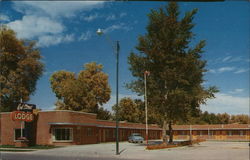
44, 129
7, 129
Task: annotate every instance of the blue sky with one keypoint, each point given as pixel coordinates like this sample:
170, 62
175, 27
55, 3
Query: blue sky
65, 34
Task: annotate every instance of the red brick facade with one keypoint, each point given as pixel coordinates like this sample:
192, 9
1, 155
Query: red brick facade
84, 128
234, 132
73, 128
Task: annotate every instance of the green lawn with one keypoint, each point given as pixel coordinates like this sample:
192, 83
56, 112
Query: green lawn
30, 147
16, 150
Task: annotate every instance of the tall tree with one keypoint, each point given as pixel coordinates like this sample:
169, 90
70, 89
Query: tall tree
104, 114
174, 88
241, 118
20, 68
127, 110
223, 118
83, 92
133, 110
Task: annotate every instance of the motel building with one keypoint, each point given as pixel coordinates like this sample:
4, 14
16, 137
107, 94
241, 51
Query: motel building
60, 128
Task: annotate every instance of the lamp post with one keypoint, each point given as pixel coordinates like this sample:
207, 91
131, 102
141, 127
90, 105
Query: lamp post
116, 48
146, 73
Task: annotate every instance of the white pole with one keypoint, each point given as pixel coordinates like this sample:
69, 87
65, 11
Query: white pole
21, 128
208, 133
146, 107
21, 122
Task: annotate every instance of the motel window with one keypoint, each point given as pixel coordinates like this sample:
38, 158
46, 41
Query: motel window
211, 133
114, 132
182, 132
63, 134
18, 133
123, 133
89, 131
241, 133
107, 133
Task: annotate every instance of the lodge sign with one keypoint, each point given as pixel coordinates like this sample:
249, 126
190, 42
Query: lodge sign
22, 116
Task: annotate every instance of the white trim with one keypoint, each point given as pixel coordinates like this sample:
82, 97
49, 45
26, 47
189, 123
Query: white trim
69, 111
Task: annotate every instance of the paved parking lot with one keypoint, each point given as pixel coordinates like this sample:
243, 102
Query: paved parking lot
204, 151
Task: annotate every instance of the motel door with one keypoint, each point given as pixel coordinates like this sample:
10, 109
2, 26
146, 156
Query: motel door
218, 135
103, 136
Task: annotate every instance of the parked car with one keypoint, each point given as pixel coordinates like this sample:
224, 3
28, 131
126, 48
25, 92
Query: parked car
135, 138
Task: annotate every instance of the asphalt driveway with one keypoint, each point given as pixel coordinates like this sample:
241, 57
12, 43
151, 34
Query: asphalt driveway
106, 151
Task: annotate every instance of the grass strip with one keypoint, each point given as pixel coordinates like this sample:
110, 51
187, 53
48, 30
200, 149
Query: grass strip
16, 150
30, 147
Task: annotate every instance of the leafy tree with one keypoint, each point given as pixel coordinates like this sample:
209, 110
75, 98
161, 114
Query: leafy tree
174, 88
241, 118
104, 114
223, 118
84, 92
133, 110
127, 110
20, 68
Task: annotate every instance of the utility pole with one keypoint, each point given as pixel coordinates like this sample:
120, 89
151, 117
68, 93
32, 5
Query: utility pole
116, 48
117, 98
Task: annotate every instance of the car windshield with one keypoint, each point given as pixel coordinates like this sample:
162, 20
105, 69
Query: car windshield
136, 134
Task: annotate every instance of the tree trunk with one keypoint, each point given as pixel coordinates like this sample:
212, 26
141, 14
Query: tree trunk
164, 135
170, 129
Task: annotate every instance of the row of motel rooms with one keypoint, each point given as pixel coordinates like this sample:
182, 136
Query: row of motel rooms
61, 127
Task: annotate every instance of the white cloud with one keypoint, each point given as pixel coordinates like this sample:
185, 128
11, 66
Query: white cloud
111, 17
114, 17
212, 70
114, 27
56, 8
91, 17
241, 70
123, 14
228, 69
4, 18
33, 26
237, 91
222, 69
225, 69
47, 40
230, 59
227, 103
112, 100
236, 59
226, 58
42, 20
85, 36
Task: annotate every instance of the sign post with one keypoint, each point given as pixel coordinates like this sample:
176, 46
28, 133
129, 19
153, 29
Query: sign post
22, 117
23, 114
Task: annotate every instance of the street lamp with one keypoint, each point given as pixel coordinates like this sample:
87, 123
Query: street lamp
146, 73
116, 48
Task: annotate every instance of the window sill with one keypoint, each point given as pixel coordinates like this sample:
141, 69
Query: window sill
59, 141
